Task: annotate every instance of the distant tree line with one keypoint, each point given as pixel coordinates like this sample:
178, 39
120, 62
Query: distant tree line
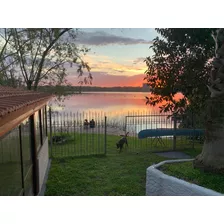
59, 90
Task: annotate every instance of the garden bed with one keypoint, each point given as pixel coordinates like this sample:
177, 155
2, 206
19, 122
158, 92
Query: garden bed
178, 178
185, 171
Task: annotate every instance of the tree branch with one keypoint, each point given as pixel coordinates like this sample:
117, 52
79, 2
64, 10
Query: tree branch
37, 78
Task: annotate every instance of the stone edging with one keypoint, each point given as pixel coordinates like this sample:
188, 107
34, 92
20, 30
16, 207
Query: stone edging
160, 184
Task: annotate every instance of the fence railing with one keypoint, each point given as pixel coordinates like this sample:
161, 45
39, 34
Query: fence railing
134, 123
71, 134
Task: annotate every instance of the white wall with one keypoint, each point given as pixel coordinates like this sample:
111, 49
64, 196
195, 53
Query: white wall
43, 160
160, 184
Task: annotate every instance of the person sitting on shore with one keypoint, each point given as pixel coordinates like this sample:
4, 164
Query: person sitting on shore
92, 124
86, 124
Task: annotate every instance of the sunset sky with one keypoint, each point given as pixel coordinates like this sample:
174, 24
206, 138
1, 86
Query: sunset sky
117, 55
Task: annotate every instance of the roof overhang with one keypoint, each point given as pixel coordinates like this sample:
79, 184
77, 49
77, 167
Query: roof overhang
13, 119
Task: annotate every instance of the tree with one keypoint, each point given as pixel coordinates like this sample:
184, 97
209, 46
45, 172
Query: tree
184, 62
181, 63
42, 56
6, 62
212, 156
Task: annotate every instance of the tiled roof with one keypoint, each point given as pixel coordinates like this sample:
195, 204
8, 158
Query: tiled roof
12, 99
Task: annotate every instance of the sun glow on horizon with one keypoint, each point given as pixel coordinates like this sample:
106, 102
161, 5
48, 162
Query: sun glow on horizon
108, 73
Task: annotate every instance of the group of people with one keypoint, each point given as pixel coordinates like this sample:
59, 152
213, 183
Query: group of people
90, 124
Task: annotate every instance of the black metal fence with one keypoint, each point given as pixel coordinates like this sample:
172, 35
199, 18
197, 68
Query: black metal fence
73, 134
77, 134
134, 123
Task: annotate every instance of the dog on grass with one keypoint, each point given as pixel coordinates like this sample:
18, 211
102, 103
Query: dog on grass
122, 141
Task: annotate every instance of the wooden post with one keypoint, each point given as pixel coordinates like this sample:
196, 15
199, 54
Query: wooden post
45, 111
34, 155
40, 127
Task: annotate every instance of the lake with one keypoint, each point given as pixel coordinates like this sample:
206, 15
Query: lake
112, 103
121, 108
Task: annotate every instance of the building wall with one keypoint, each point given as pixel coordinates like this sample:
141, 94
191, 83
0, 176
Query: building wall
43, 160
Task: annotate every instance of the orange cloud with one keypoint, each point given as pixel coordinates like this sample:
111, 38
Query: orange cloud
108, 73
101, 63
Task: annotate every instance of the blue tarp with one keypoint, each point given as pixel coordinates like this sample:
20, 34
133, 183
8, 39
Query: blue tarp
169, 132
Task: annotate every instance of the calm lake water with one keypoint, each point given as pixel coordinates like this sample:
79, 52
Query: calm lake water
114, 105
109, 102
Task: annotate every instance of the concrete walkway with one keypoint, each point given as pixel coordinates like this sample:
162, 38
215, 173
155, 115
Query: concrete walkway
174, 155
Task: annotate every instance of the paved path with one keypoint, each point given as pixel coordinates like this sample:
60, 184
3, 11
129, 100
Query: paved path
174, 155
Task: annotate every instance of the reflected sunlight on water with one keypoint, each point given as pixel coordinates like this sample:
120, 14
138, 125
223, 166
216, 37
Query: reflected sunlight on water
119, 108
112, 103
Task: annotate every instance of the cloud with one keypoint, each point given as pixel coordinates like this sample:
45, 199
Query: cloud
138, 60
100, 38
102, 63
105, 64
117, 70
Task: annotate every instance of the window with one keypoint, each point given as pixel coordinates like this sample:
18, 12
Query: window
10, 164
41, 127
27, 157
16, 155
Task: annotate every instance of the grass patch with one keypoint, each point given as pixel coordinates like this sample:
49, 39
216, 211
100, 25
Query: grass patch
185, 171
78, 144
194, 152
100, 175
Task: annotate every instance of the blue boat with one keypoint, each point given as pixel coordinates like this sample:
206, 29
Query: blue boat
169, 132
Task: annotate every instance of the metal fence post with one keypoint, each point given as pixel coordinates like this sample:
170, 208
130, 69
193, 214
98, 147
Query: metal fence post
193, 125
175, 128
50, 120
125, 127
105, 136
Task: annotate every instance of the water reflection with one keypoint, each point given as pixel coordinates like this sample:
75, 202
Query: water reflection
111, 103
122, 110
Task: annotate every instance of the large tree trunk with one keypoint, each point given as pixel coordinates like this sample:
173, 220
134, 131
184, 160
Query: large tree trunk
212, 156
29, 85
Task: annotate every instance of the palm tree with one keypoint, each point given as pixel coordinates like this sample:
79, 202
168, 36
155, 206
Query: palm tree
212, 156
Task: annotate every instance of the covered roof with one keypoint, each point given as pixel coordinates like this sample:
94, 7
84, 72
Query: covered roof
13, 99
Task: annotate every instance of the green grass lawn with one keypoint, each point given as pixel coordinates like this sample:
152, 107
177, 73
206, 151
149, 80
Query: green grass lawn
79, 144
185, 171
194, 152
100, 175
110, 174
